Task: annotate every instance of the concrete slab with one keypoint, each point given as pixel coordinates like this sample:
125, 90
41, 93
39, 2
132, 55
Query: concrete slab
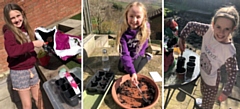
4, 91
89, 45
75, 31
180, 100
7, 104
101, 41
8, 97
72, 23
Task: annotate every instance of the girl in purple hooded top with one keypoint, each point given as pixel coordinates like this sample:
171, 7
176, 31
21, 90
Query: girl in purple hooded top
132, 40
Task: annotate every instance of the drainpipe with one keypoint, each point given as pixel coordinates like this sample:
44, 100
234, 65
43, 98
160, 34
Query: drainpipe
86, 18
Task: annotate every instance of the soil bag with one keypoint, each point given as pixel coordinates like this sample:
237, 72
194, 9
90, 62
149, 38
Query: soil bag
63, 45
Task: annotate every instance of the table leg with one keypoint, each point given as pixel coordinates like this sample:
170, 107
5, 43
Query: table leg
168, 98
234, 98
190, 95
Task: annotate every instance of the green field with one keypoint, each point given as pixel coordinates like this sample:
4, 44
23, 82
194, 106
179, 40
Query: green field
154, 5
151, 7
77, 17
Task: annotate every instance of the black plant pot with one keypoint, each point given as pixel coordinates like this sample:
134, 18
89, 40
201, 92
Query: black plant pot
190, 69
192, 59
70, 98
181, 73
180, 62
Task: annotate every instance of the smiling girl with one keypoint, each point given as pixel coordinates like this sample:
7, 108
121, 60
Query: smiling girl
217, 50
132, 40
19, 41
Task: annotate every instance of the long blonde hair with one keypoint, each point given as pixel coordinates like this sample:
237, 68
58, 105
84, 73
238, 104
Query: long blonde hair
228, 12
19, 35
143, 33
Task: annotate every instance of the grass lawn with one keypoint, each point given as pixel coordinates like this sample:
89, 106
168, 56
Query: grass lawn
184, 6
176, 7
124, 4
171, 9
72, 64
76, 17
156, 42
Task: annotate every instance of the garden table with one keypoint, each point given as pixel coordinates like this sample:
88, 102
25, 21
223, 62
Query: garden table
171, 82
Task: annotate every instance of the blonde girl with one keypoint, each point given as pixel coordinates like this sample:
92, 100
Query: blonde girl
217, 50
132, 40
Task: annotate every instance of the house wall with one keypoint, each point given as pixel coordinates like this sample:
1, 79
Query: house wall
156, 27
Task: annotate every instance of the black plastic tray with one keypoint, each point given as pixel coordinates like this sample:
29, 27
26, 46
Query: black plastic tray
67, 92
100, 82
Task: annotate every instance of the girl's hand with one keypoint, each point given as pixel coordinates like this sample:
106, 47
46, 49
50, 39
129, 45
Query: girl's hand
181, 44
134, 78
38, 43
222, 97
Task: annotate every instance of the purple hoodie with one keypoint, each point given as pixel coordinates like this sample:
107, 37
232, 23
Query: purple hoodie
129, 52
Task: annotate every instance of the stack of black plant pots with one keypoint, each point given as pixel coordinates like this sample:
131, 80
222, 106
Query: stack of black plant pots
180, 68
190, 67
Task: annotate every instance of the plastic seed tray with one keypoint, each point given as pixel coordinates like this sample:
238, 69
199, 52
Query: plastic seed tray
67, 92
100, 82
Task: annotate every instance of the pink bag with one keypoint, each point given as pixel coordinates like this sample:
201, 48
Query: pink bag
63, 45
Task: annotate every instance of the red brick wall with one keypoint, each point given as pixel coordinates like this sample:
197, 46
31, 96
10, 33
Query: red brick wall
39, 13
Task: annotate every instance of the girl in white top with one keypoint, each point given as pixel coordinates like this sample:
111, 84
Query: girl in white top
217, 50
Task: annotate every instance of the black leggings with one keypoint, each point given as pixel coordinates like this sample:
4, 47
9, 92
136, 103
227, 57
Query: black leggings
139, 63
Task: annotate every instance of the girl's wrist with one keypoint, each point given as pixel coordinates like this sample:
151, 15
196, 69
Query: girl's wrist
33, 42
131, 74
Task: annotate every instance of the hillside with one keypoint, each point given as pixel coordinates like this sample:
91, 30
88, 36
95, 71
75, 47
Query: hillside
151, 4
105, 14
144, 1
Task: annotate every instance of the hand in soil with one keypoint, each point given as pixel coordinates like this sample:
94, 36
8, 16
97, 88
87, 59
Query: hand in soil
144, 99
134, 78
136, 96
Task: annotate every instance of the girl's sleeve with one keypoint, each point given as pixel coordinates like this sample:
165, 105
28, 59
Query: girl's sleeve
232, 69
13, 48
126, 58
197, 27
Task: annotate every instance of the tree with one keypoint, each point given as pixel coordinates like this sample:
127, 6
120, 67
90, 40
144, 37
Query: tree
97, 13
117, 6
104, 15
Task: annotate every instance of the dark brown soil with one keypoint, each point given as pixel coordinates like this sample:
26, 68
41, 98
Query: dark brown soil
129, 95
